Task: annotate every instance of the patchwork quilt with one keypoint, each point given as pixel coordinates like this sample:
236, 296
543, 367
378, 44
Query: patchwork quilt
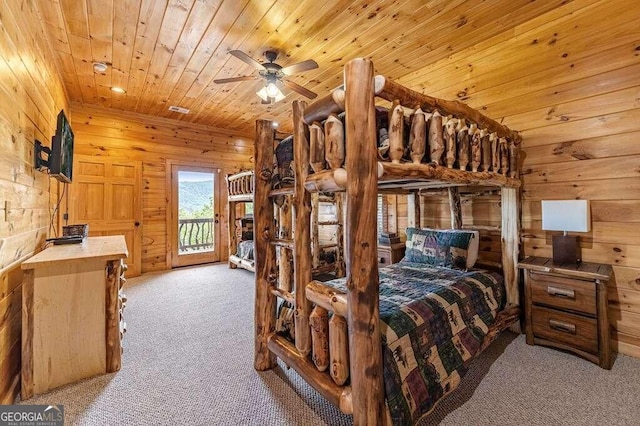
433, 321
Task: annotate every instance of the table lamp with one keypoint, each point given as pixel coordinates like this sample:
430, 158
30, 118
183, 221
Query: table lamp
566, 216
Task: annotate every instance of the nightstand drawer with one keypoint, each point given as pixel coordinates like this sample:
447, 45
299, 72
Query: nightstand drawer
574, 330
565, 293
384, 257
390, 254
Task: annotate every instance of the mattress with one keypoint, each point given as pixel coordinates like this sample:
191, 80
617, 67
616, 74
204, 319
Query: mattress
433, 321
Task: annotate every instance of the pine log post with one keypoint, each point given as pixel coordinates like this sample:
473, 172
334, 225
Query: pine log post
463, 144
315, 232
450, 141
455, 206
233, 241
285, 271
363, 318
265, 254
514, 157
495, 152
486, 150
112, 317
302, 241
316, 156
334, 141
418, 138
338, 350
504, 156
476, 153
510, 229
396, 132
319, 323
413, 209
340, 268
436, 138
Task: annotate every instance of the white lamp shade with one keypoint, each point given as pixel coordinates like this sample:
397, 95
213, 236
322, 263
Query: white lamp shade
566, 215
270, 91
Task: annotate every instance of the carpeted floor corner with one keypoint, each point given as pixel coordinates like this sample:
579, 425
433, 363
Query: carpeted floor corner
188, 359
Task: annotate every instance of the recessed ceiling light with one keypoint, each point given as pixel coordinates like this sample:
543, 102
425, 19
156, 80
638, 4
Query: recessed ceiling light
275, 124
100, 66
118, 90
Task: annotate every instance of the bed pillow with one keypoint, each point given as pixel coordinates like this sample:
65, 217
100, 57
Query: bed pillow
448, 248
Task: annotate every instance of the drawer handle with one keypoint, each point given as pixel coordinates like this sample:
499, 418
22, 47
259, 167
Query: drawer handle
561, 292
562, 326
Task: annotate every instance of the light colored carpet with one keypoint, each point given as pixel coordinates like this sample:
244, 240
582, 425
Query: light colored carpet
189, 354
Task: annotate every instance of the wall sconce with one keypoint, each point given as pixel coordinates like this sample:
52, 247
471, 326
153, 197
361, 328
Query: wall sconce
565, 216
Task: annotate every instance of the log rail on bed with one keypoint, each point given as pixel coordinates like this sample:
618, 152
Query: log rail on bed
240, 190
342, 357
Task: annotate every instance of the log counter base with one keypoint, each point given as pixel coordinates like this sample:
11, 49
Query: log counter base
71, 313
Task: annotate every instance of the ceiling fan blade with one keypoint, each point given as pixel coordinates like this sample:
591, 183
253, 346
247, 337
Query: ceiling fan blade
297, 88
248, 59
233, 79
309, 64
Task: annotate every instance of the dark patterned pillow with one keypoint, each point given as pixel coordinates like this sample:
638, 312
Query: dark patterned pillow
447, 248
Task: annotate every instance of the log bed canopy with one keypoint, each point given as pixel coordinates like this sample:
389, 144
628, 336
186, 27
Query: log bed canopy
326, 352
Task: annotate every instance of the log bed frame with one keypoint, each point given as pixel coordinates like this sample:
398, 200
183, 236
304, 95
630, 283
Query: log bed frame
240, 190
342, 358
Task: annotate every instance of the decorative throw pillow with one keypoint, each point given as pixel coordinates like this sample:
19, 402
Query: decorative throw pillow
447, 248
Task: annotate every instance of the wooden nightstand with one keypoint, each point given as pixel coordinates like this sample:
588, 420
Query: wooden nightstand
390, 254
566, 307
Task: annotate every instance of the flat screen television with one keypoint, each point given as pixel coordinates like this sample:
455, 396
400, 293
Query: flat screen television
61, 157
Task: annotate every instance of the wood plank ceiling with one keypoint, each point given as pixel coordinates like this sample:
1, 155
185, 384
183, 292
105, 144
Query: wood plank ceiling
167, 52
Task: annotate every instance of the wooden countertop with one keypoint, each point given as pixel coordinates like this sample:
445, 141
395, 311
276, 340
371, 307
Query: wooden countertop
95, 248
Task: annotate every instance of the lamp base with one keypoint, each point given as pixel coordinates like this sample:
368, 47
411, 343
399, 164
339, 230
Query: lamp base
565, 249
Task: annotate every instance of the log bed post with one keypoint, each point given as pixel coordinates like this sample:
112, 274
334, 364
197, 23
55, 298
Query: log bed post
413, 209
455, 207
233, 242
265, 254
339, 235
315, 232
510, 201
362, 276
285, 272
302, 240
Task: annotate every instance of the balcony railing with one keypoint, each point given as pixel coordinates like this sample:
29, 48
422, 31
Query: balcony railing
195, 234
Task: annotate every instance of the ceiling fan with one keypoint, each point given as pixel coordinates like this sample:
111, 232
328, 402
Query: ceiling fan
274, 75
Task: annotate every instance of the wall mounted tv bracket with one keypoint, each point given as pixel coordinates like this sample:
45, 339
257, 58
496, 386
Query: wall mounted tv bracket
42, 164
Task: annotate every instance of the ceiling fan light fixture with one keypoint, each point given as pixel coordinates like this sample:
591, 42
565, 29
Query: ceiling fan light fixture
270, 93
272, 90
262, 94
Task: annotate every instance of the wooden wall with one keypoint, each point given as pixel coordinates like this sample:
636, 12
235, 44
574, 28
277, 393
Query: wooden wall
153, 141
31, 95
570, 81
